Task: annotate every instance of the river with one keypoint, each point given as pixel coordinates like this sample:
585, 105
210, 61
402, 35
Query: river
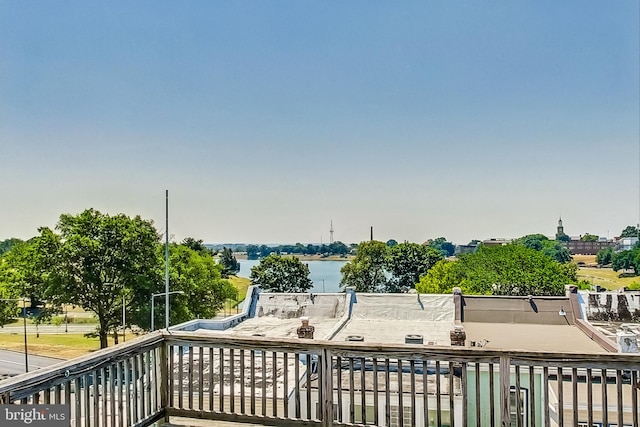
325, 275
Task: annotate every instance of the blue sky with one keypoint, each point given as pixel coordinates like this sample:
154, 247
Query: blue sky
266, 120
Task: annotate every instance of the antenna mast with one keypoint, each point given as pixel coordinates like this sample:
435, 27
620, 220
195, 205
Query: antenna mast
331, 233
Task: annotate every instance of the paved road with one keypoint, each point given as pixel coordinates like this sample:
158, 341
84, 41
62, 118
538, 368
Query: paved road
12, 362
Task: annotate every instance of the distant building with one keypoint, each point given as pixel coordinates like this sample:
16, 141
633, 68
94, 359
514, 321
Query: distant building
627, 243
496, 242
576, 246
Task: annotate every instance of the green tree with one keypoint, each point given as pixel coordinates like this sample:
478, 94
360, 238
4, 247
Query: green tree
277, 273
195, 274
441, 244
103, 259
589, 237
391, 243
7, 244
407, 262
366, 272
626, 260
551, 248
440, 279
197, 245
605, 256
229, 263
503, 270
629, 231
253, 252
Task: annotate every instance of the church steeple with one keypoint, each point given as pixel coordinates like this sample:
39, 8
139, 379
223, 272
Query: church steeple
560, 229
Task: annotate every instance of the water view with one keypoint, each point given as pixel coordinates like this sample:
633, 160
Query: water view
324, 274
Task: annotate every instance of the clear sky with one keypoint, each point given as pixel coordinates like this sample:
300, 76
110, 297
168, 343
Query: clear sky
266, 120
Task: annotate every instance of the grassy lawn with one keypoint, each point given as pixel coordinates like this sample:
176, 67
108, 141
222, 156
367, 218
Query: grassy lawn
605, 277
63, 346
241, 284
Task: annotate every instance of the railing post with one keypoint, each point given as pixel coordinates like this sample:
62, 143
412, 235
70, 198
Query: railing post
327, 389
505, 391
5, 398
164, 379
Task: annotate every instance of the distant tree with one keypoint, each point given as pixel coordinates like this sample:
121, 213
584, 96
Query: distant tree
253, 252
391, 243
589, 237
626, 260
605, 256
441, 244
197, 245
366, 272
551, 248
338, 248
407, 262
563, 238
629, 231
230, 266
277, 273
532, 241
474, 242
5, 245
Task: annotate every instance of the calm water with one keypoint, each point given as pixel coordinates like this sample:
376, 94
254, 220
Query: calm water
324, 274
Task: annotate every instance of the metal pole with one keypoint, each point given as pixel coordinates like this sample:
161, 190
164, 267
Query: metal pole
166, 263
152, 316
24, 322
124, 320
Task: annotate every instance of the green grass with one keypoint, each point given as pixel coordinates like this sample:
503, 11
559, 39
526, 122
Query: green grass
605, 277
63, 346
241, 284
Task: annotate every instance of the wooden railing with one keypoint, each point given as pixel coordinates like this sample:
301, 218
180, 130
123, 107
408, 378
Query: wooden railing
308, 382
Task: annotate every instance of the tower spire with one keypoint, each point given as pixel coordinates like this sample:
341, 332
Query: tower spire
331, 233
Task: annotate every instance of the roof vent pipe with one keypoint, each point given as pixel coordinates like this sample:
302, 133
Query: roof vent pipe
358, 338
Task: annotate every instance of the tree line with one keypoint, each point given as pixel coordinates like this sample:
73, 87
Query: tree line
531, 265
103, 263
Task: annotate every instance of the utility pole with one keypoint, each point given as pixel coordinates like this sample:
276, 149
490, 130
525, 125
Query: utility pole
166, 263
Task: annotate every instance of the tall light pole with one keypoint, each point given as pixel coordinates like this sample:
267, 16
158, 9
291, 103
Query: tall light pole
24, 324
152, 306
166, 264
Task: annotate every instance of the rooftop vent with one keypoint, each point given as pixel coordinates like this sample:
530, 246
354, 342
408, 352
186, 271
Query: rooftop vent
627, 341
413, 339
354, 338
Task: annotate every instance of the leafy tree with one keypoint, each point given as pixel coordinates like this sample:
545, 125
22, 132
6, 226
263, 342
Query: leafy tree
391, 243
338, 248
563, 238
6, 245
605, 256
441, 244
197, 245
253, 252
230, 266
502, 270
277, 273
551, 248
194, 273
627, 260
366, 272
589, 237
440, 279
629, 231
532, 241
8, 309
474, 242
407, 262
102, 259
